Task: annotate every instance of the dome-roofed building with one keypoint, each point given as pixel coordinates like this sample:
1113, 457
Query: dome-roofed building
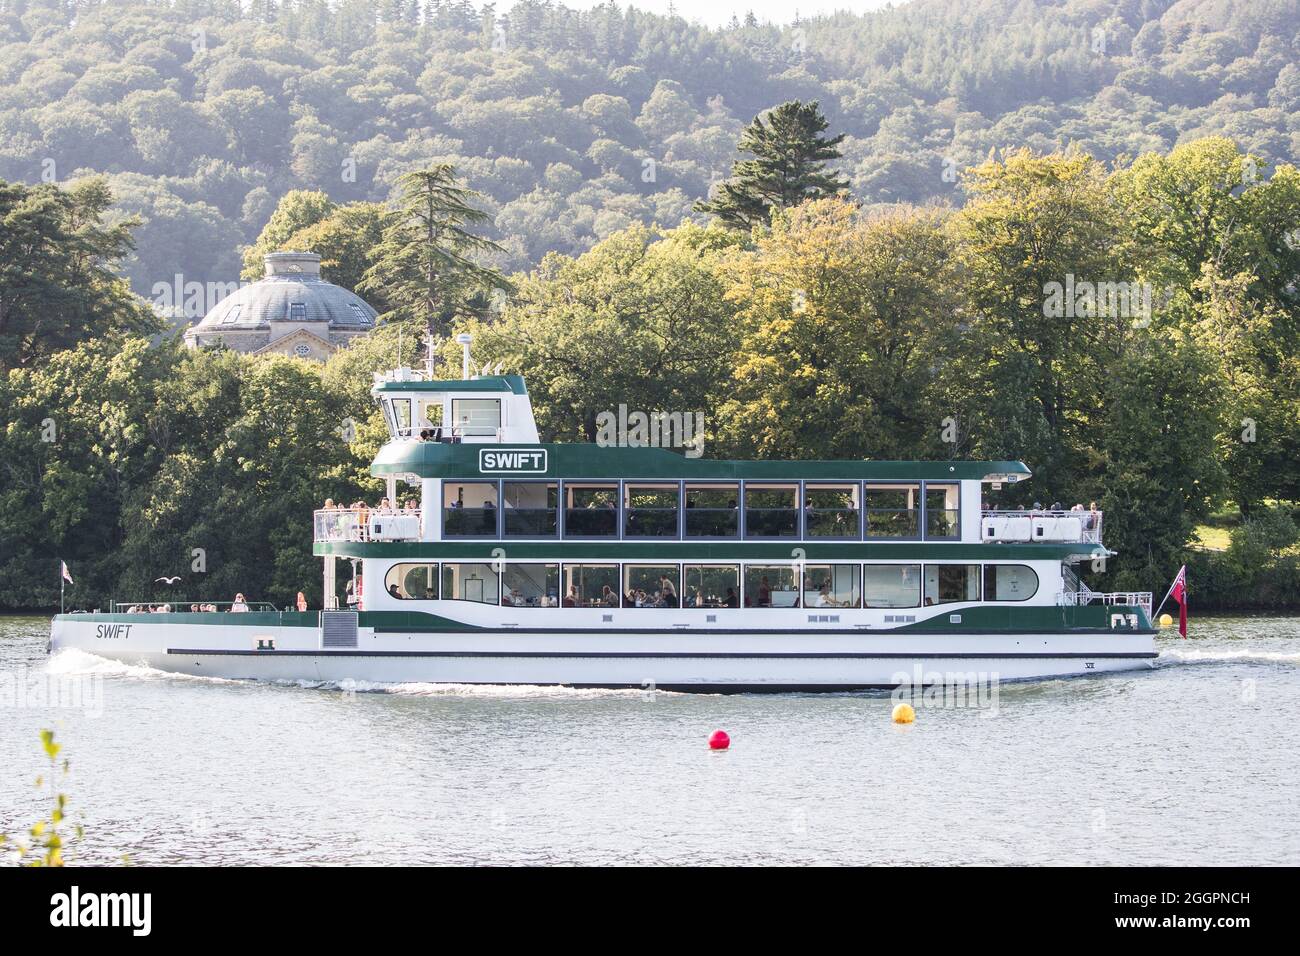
292, 310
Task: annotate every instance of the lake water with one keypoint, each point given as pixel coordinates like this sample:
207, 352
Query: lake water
1195, 761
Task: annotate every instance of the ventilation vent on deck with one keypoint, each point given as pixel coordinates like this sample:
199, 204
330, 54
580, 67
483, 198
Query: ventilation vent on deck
338, 628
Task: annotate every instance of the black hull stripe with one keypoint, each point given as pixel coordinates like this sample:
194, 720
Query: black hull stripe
830, 631
667, 655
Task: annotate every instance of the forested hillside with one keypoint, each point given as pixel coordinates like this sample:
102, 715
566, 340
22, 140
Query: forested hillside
575, 125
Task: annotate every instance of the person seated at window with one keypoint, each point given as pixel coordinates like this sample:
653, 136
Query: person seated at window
929, 601
608, 597
824, 598
764, 592
571, 597
194, 609
395, 592
731, 599
668, 591
240, 604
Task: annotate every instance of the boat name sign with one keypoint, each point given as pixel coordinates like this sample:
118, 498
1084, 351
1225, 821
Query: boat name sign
514, 461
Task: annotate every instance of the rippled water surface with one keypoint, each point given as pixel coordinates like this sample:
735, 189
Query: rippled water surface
1196, 761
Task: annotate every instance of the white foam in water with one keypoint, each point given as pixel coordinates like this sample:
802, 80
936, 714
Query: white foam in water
421, 689
1173, 656
74, 662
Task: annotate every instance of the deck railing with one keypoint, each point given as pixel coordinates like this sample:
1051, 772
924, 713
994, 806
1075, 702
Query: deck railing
1085, 595
348, 524
1068, 527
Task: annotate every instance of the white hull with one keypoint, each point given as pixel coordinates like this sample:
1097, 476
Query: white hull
702, 661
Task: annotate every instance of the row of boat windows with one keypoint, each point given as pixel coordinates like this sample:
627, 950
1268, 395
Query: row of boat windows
585, 509
711, 585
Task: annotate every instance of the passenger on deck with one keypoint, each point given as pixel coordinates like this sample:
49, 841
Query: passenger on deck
240, 604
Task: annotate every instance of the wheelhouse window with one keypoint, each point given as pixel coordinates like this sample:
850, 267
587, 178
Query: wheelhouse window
712, 511
590, 585
651, 585
470, 582
1009, 582
530, 585
402, 415
711, 585
530, 509
893, 510
472, 417
650, 511
891, 585
831, 585
772, 585
429, 421
469, 509
412, 582
951, 583
831, 511
771, 511
942, 511
590, 510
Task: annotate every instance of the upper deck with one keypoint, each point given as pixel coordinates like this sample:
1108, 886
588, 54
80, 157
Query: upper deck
470, 445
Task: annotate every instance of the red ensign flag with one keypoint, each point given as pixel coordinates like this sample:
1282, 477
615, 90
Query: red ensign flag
1179, 594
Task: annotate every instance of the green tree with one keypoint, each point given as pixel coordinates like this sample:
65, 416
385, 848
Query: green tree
57, 286
789, 166
427, 265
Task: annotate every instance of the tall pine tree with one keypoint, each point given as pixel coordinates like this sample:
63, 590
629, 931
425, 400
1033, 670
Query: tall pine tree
789, 166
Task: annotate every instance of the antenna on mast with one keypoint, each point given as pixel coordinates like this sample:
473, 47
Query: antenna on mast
464, 339
428, 355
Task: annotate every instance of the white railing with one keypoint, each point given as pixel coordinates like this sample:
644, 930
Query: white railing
1059, 527
1084, 596
349, 524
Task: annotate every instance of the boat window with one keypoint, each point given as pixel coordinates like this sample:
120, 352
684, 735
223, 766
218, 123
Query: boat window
531, 585
470, 582
475, 416
1009, 582
951, 583
771, 511
651, 585
941, 511
431, 413
412, 582
712, 511
402, 415
650, 511
891, 585
469, 509
590, 511
590, 585
892, 510
831, 585
771, 585
831, 511
529, 508
711, 585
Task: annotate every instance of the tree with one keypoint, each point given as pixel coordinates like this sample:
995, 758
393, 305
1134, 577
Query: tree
425, 266
57, 286
843, 319
789, 166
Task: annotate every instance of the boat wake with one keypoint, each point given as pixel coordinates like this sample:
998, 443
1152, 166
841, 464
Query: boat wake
73, 662
494, 691
1178, 657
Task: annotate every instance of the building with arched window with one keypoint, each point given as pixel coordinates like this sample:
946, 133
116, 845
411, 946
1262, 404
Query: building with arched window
291, 310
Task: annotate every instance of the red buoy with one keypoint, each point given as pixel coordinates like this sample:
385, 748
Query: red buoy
719, 740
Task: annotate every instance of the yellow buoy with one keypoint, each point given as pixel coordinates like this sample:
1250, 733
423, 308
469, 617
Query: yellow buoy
904, 714
1166, 620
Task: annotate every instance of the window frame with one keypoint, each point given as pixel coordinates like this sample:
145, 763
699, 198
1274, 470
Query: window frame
501, 506
448, 483
919, 510
721, 483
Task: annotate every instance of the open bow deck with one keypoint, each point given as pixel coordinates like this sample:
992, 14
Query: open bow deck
585, 565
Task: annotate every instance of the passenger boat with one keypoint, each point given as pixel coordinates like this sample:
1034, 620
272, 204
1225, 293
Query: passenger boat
615, 566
